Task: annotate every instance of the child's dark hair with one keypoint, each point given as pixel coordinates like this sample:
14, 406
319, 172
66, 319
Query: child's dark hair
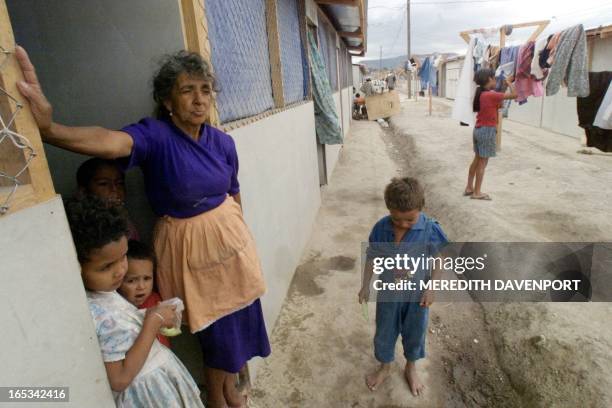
94, 224
481, 78
140, 250
404, 194
88, 168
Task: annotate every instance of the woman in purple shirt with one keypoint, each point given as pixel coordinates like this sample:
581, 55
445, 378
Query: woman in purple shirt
206, 254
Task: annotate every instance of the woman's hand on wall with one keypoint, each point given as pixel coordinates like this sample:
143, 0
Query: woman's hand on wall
30, 88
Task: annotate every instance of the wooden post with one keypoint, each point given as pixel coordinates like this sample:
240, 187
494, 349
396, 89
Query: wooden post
304, 37
275, 55
500, 116
429, 102
195, 35
37, 186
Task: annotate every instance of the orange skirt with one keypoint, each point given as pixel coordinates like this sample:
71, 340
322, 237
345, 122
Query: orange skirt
210, 262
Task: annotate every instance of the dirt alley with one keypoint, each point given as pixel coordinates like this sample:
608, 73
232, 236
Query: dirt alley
478, 355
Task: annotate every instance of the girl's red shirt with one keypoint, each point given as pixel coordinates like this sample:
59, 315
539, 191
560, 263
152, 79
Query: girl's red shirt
490, 102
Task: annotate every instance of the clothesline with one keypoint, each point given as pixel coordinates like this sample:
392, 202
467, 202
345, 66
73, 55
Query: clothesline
560, 57
540, 66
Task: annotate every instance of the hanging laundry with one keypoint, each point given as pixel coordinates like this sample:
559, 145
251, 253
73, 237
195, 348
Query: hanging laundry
437, 60
507, 55
479, 50
525, 83
327, 124
507, 63
545, 54
428, 73
588, 107
424, 71
570, 64
466, 87
603, 119
491, 57
538, 71
551, 48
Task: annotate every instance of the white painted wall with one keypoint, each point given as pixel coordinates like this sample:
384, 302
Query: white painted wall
48, 337
357, 77
602, 55
332, 152
347, 102
529, 113
560, 114
453, 69
280, 194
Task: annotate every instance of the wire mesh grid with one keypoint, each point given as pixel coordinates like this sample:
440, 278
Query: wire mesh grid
327, 46
350, 68
11, 142
238, 37
344, 66
292, 52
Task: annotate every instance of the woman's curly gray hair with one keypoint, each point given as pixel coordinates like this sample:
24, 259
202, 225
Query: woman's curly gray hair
170, 67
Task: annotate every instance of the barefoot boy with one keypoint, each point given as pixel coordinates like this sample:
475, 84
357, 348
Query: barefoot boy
408, 316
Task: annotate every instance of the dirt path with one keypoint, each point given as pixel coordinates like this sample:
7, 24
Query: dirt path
478, 356
553, 354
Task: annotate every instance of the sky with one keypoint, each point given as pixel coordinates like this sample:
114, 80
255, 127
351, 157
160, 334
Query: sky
435, 24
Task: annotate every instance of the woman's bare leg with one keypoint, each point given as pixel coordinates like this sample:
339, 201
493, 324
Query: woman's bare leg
232, 396
471, 174
480, 171
215, 380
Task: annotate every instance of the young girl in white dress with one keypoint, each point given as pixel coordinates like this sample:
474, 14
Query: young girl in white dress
141, 372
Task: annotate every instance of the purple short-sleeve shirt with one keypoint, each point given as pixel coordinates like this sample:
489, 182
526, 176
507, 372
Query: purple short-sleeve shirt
183, 177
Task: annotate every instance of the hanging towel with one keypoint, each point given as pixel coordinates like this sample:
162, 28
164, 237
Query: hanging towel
506, 55
525, 84
479, 50
464, 96
603, 119
427, 73
551, 47
588, 108
491, 57
507, 66
537, 71
545, 54
327, 124
570, 64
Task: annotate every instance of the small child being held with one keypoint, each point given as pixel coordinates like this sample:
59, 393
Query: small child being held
139, 281
405, 226
141, 372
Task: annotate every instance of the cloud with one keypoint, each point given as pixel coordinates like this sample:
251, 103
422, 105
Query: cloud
436, 27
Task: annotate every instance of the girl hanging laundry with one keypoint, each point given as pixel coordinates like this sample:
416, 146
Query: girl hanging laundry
486, 103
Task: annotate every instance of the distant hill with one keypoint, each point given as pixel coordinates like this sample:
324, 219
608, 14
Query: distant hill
395, 62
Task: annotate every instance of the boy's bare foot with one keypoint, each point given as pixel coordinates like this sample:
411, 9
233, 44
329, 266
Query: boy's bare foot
377, 377
415, 385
